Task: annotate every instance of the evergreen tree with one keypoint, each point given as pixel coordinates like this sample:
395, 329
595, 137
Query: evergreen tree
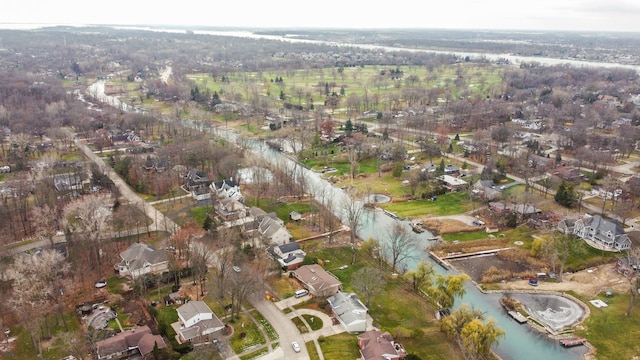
348, 127
440, 169
565, 195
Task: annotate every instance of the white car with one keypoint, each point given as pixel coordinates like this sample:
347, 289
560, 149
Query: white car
295, 346
101, 284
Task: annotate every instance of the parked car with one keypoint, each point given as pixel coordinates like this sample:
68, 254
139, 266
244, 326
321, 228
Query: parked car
295, 346
100, 284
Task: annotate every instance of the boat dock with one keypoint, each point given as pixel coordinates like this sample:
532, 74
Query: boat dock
439, 261
518, 317
572, 342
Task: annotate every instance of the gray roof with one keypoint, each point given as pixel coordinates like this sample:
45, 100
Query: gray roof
348, 307
603, 226
138, 254
289, 247
193, 308
203, 327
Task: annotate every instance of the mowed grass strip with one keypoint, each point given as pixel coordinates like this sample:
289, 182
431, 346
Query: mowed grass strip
448, 204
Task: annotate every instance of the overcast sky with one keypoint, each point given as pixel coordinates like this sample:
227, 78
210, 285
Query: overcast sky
591, 15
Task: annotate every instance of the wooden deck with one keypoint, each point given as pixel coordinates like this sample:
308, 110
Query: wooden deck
572, 342
518, 317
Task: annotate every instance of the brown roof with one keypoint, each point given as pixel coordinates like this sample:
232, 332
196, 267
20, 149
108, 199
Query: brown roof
140, 338
316, 279
375, 344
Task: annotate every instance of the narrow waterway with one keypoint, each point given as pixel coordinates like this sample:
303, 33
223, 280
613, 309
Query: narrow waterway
521, 342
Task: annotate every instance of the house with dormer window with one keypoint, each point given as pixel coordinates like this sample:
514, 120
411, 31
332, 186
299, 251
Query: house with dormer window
603, 233
140, 259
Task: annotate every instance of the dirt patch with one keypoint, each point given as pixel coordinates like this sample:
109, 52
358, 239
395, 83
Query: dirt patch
446, 226
477, 267
588, 283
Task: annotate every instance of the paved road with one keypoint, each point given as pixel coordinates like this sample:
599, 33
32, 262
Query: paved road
160, 221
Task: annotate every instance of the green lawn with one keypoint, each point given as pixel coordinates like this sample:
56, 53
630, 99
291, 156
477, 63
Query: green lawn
466, 236
396, 309
245, 337
448, 204
340, 346
612, 333
271, 332
314, 322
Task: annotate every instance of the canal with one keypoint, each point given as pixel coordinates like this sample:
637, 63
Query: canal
520, 342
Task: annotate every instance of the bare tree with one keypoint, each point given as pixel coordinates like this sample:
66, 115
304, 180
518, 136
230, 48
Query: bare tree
369, 281
34, 277
224, 257
89, 218
244, 283
45, 220
400, 245
353, 211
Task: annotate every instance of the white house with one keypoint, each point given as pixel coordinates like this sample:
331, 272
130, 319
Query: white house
289, 255
605, 233
226, 188
349, 311
140, 259
195, 319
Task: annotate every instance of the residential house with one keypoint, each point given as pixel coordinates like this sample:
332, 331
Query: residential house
523, 210
227, 188
319, 282
451, 169
129, 344
230, 209
350, 311
140, 259
67, 182
201, 194
452, 183
267, 227
377, 345
566, 226
288, 255
196, 322
430, 168
125, 137
528, 124
607, 234
565, 173
155, 164
486, 189
195, 179
273, 230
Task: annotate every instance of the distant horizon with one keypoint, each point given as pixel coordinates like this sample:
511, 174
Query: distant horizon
33, 26
492, 15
